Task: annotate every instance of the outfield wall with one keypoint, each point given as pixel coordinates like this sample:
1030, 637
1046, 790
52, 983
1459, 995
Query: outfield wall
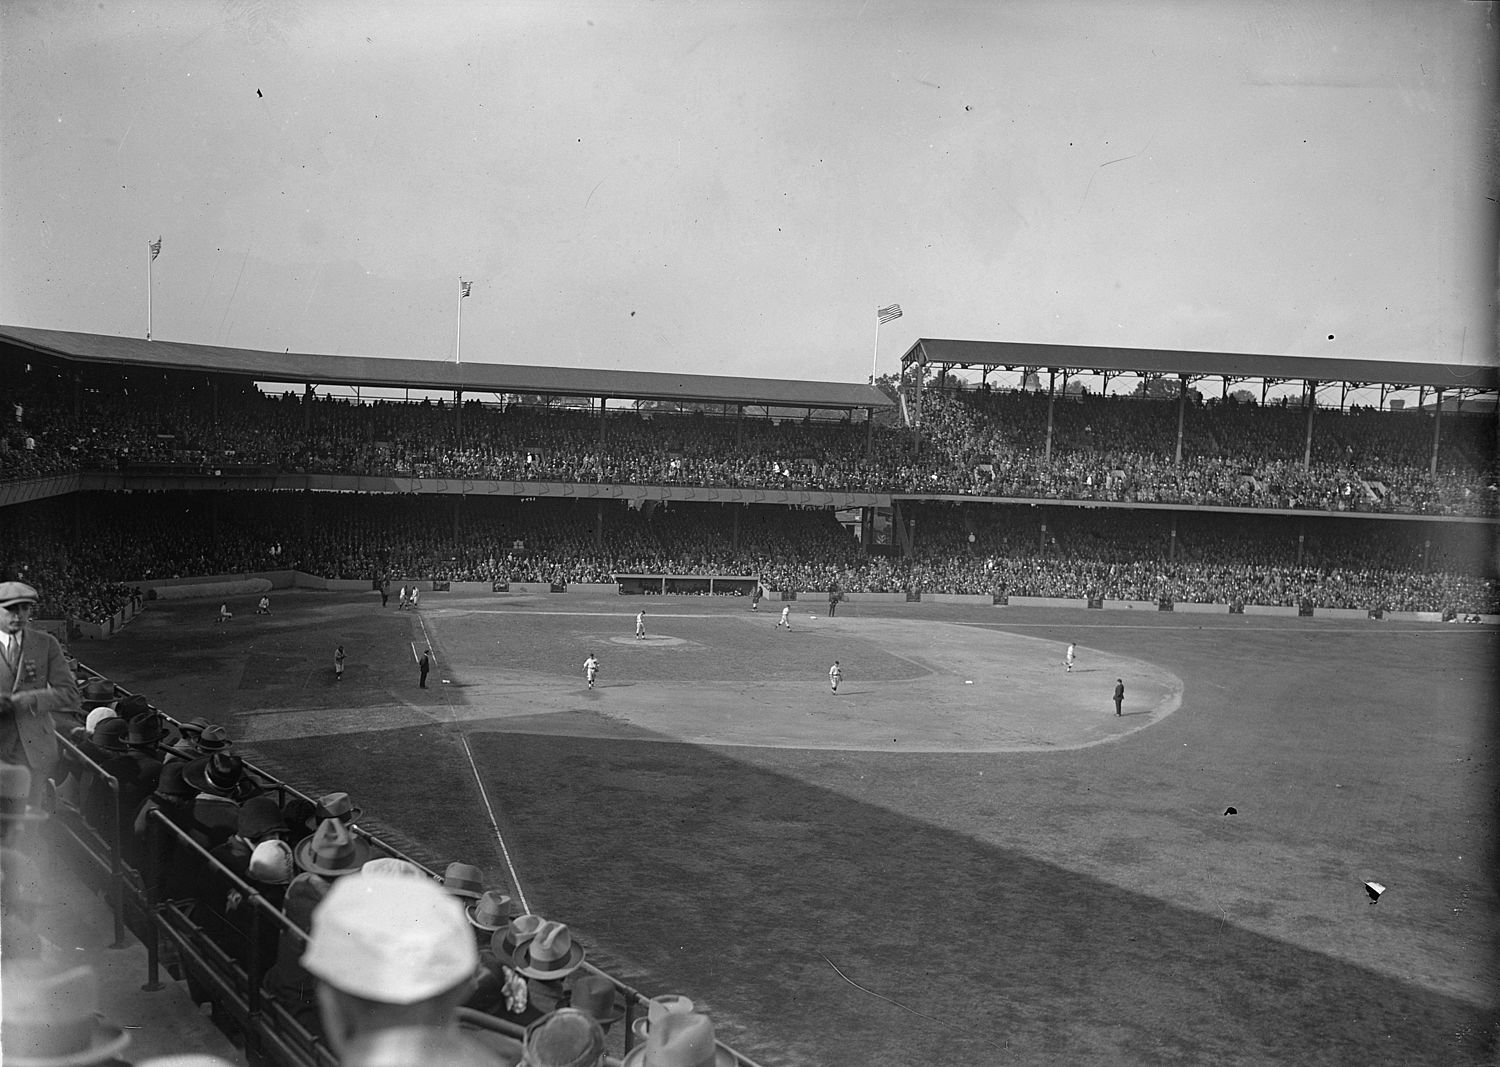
225, 586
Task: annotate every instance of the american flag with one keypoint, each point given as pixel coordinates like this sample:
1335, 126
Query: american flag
463, 288
155, 248
885, 315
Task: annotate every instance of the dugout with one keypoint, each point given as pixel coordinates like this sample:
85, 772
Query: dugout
687, 584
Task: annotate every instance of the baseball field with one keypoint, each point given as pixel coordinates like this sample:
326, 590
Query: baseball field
961, 857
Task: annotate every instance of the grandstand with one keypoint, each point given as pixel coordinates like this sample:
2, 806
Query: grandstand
133, 468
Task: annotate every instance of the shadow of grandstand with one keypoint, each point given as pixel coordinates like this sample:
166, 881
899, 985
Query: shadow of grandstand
821, 928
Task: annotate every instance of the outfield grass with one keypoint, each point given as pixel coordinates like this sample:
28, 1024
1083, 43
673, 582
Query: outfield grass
1016, 877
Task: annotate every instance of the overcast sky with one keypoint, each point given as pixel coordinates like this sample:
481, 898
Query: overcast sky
735, 187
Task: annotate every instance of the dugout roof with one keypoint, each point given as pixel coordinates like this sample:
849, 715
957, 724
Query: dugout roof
305, 368
1238, 366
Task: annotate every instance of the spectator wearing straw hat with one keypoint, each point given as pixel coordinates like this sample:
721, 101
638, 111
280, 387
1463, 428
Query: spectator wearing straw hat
52, 1017
566, 1037
680, 1040
37, 690
394, 959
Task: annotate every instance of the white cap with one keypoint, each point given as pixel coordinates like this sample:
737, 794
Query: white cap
98, 715
271, 863
393, 940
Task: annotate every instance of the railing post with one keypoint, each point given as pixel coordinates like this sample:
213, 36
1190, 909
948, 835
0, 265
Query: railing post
117, 864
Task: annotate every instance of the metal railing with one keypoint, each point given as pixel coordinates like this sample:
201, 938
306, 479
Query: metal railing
232, 976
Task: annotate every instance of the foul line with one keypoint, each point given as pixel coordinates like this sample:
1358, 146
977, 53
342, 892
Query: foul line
504, 852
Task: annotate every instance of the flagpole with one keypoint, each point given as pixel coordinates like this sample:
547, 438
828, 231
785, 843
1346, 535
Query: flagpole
882, 315
458, 333
150, 260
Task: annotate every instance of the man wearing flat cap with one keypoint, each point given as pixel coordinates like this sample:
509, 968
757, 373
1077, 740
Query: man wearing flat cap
35, 686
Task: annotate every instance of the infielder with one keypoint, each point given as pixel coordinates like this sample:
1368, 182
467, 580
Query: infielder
640, 624
590, 669
834, 674
786, 618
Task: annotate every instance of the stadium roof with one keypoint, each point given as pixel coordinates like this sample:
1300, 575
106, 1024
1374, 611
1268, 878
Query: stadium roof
374, 371
1237, 365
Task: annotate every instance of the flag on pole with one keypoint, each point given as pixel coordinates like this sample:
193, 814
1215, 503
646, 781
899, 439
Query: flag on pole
155, 248
463, 288
885, 315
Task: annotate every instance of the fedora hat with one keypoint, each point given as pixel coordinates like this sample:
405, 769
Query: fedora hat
15, 790
109, 735
52, 1017
680, 1040
550, 955
564, 1038
97, 691
392, 940
128, 707
13, 593
144, 730
194, 726
333, 806
597, 995
491, 911
464, 880
219, 774
331, 850
271, 863
213, 739
520, 930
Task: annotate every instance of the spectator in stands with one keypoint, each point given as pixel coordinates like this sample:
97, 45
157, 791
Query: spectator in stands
463, 880
338, 806
37, 691
222, 786
565, 1038
52, 1017
686, 1037
330, 853
257, 820
394, 959
599, 997
547, 960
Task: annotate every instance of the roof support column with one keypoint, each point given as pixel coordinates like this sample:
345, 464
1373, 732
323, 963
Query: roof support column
1311, 396
1181, 416
869, 434
1437, 428
1051, 402
602, 401
458, 413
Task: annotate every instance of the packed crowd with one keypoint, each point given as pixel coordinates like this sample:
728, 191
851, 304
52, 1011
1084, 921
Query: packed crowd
366, 950
972, 442
1018, 550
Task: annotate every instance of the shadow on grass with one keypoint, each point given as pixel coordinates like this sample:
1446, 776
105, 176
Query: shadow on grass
822, 930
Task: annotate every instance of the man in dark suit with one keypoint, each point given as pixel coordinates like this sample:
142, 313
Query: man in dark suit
1119, 694
424, 665
37, 689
